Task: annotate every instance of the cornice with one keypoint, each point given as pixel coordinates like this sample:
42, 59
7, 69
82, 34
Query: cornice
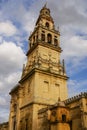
39, 70
44, 44
33, 102
15, 88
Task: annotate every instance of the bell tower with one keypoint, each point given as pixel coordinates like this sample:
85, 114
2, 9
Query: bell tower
44, 79
43, 57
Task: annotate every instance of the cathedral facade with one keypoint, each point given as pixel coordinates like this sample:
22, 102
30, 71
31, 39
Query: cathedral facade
40, 99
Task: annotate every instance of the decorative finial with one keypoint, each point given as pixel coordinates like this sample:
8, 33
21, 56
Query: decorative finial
59, 99
64, 71
45, 5
58, 28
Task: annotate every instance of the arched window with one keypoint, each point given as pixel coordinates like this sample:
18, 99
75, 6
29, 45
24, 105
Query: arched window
49, 38
47, 24
55, 42
43, 37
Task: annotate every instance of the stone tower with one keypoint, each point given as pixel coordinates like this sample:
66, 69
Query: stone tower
43, 80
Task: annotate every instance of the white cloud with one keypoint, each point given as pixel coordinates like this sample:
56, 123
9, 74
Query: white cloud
29, 26
2, 101
7, 28
1, 38
75, 54
13, 78
75, 47
11, 57
8, 81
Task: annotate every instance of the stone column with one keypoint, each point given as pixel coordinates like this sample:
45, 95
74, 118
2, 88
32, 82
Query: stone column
46, 37
52, 39
39, 35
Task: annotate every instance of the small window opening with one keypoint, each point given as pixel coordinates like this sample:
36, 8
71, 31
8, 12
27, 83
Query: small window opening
64, 118
46, 12
47, 24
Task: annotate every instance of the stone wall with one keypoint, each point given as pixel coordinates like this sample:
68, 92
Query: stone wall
4, 126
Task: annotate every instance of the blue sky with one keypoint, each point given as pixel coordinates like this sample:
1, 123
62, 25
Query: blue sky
17, 20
